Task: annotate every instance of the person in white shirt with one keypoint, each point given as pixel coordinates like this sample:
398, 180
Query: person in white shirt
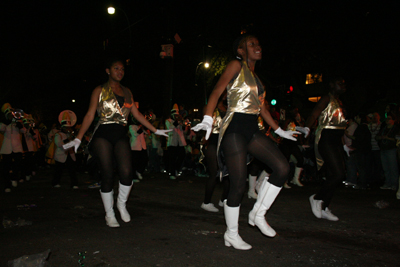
64, 158
11, 148
175, 144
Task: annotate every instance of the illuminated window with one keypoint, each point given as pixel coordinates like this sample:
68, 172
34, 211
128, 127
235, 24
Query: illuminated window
313, 78
314, 98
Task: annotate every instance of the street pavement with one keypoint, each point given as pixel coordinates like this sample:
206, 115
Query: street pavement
169, 228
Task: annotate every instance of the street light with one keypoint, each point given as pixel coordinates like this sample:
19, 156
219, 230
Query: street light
111, 10
206, 66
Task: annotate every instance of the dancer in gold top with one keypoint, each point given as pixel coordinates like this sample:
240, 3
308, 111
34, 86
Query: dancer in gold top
239, 136
113, 103
328, 145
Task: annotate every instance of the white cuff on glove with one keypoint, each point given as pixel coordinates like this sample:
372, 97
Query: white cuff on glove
304, 130
206, 125
74, 143
286, 134
162, 132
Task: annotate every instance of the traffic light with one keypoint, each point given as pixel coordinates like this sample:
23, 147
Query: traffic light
289, 90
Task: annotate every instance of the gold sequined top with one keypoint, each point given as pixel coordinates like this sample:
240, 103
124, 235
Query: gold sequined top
217, 120
109, 110
243, 97
331, 117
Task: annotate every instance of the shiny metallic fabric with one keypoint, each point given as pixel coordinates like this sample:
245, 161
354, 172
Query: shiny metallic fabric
217, 121
331, 117
242, 96
108, 108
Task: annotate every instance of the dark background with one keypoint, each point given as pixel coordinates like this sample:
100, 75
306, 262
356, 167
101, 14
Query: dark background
54, 51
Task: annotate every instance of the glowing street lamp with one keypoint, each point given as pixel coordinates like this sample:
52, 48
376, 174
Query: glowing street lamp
111, 10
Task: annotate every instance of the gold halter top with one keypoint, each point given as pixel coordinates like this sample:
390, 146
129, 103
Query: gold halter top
108, 108
242, 96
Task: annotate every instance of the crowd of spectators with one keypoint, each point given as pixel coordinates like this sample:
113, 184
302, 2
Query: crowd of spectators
371, 147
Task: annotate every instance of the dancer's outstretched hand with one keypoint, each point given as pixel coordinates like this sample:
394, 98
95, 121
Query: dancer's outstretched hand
287, 134
74, 143
206, 125
304, 130
162, 132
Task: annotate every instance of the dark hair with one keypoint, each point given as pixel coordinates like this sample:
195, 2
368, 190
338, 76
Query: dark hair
239, 42
113, 59
392, 114
333, 77
363, 117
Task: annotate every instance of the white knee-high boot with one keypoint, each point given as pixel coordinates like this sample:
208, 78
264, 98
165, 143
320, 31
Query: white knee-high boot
108, 202
296, 176
261, 178
266, 197
252, 187
123, 194
231, 236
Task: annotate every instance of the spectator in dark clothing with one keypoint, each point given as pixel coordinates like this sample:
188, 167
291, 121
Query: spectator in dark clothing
387, 143
361, 143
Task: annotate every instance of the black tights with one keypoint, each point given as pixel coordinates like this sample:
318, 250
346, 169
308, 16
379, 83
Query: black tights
331, 150
235, 148
105, 152
288, 148
212, 165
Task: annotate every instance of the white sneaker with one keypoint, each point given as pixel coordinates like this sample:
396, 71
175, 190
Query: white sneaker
221, 204
14, 183
209, 207
316, 207
139, 176
327, 214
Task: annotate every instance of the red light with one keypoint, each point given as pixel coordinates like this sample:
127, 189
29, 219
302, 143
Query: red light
291, 88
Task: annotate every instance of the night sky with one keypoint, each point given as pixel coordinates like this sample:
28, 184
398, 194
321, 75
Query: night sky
54, 51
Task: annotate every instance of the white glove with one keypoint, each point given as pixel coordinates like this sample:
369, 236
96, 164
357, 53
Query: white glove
347, 149
286, 134
162, 132
304, 130
74, 143
206, 125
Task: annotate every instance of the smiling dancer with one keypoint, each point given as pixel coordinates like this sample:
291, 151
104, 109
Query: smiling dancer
240, 135
113, 103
